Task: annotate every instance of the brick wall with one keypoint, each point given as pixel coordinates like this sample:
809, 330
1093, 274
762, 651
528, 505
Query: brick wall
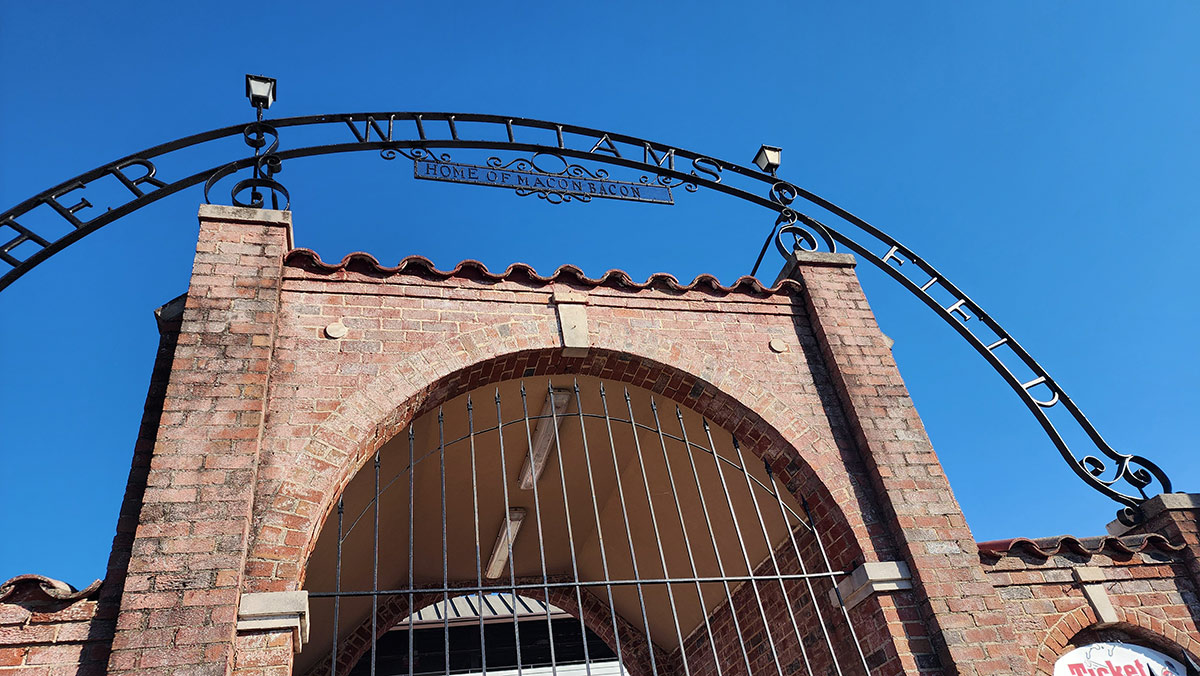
179, 604
47, 629
270, 409
416, 337
1152, 598
954, 597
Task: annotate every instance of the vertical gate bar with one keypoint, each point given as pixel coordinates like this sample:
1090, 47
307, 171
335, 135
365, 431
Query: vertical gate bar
771, 550
587, 462
687, 543
812, 593
612, 446
412, 471
737, 529
637, 445
337, 585
445, 557
537, 514
587, 660
737, 625
837, 592
512, 574
478, 553
375, 571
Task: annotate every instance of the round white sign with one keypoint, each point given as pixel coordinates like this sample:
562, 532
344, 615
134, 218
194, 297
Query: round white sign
1117, 659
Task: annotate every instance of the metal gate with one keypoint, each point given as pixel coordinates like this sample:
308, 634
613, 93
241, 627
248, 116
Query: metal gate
554, 526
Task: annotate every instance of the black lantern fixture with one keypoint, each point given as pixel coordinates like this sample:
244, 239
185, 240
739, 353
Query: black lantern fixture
768, 158
261, 92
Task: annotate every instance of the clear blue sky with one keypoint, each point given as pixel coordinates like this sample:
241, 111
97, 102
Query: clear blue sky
1043, 155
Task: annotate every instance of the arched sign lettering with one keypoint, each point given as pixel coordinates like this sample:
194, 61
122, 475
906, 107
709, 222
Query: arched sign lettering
562, 163
1118, 659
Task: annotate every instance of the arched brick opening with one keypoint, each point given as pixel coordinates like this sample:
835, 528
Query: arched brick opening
296, 505
298, 492
1162, 634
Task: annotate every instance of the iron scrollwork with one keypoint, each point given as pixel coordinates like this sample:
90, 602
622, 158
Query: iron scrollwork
668, 182
413, 154
804, 229
421, 137
1039, 393
568, 169
266, 164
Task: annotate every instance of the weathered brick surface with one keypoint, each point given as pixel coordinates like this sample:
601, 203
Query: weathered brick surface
188, 554
265, 419
954, 596
1154, 597
413, 342
1180, 525
47, 638
263, 653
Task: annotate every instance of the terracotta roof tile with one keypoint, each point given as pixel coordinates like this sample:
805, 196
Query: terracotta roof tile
1049, 546
42, 588
419, 266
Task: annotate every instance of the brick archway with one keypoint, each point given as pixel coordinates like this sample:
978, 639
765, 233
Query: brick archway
1161, 632
297, 503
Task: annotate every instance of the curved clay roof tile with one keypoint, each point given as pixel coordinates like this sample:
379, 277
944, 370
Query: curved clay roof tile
419, 266
42, 588
1044, 548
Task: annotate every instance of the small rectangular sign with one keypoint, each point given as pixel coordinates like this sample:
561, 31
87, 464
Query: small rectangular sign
534, 181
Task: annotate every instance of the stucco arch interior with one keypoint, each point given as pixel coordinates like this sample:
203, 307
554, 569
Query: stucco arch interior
590, 519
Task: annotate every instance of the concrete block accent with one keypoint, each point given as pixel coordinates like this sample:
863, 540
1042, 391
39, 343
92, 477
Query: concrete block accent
870, 578
572, 321
814, 258
276, 611
219, 212
1093, 580
1175, 501
561, 295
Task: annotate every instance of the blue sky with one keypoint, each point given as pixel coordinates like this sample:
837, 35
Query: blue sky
1042, 155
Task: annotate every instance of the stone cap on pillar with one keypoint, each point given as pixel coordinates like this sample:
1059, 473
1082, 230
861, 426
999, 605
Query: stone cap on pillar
1156, 505
220, 212
813, 258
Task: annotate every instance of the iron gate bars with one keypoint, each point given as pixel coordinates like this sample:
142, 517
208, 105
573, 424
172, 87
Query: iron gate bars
672, 554
1122, 477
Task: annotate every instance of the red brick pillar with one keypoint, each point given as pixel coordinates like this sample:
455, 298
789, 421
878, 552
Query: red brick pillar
179, 606
956, 600
1175, 516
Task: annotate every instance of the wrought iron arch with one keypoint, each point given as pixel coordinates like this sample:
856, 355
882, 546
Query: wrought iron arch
430, 137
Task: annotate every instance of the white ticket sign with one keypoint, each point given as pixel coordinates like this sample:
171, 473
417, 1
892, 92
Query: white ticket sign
1117, 659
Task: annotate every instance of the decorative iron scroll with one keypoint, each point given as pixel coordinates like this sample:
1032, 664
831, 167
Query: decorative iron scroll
1125, 478
266, 165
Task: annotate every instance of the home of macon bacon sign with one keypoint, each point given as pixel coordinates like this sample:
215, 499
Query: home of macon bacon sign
527, 177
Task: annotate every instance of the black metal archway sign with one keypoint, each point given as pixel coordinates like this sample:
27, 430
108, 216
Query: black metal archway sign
545, 170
